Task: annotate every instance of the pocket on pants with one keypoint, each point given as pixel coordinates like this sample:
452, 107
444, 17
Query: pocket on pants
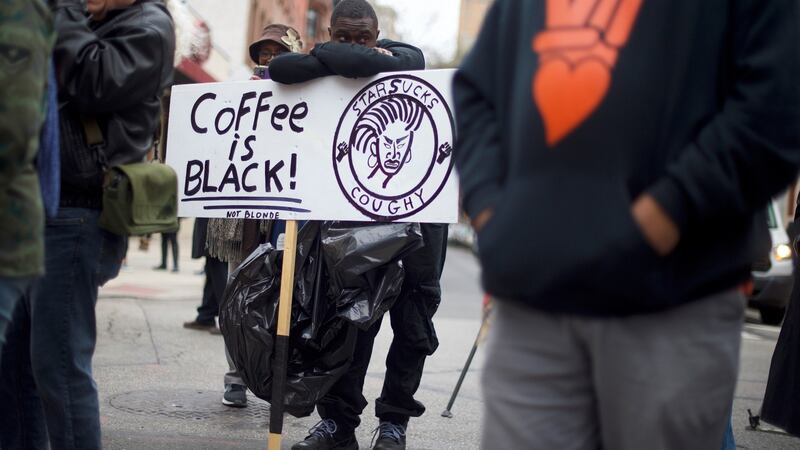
412, 319
112, 252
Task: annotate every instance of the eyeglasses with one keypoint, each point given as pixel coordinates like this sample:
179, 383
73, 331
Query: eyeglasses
267, 55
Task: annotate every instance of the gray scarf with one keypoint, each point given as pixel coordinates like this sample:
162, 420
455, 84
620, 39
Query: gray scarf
224, 239
226, 236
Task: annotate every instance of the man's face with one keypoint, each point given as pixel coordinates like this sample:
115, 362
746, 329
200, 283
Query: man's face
362, 31
394, 148
99, 8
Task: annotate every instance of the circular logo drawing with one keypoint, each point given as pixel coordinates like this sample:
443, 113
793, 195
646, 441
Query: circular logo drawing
392, 152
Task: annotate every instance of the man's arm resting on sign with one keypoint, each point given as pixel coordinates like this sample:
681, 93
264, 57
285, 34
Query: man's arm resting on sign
292, 68
357, 61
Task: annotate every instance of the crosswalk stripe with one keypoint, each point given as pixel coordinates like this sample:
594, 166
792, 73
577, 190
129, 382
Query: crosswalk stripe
751, 337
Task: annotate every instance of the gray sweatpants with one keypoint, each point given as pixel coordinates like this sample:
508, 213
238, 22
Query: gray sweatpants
658, 381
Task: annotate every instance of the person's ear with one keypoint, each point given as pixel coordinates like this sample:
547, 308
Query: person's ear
372, 161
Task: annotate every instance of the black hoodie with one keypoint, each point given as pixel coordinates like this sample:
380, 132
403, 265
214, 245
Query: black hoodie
566, 116
347, 60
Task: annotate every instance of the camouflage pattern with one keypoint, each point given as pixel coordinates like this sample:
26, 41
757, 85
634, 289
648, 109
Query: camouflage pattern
26, 40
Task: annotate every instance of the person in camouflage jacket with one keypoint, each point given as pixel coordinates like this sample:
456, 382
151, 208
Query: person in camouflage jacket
26, 40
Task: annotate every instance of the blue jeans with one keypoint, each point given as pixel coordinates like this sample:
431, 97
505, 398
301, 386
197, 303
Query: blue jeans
11, 291
80, 257
23, 424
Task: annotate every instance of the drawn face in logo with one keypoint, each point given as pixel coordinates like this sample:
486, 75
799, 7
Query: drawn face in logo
386, 133
392, 149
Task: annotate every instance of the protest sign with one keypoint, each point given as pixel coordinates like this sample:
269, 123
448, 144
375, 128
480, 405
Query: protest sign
376, 149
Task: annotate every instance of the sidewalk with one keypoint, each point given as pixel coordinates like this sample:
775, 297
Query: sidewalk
161, 385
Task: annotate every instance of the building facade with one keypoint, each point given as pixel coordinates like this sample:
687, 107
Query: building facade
472, 14
309, 17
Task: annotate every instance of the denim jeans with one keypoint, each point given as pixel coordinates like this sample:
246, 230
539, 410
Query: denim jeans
80, 257
11, 291
22, 424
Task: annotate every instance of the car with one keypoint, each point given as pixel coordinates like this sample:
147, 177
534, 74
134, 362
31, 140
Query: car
773, 276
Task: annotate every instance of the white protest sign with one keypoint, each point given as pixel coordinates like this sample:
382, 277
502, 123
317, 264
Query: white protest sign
375, 149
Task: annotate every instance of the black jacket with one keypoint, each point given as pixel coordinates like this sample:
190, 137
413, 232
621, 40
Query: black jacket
347, 60
700, 108
114, 70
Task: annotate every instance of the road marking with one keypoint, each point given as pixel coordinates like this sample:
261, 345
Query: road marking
771, 329
751, 337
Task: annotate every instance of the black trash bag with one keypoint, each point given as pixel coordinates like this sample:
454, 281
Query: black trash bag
363, 284
322, 337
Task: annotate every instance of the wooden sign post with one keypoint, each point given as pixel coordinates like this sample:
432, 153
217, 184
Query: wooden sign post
280, 362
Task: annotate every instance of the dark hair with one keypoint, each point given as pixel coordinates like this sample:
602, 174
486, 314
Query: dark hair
353, 9
401, 109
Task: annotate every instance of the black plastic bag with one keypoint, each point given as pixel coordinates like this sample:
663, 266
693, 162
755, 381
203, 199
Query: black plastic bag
346, 275
363, 284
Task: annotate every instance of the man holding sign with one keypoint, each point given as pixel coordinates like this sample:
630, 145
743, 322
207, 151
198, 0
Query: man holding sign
355, 52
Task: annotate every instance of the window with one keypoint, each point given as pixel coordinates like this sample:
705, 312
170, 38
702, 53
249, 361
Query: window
312, 24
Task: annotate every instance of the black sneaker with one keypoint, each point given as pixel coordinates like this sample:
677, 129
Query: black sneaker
322, 436
235, 396
391, 436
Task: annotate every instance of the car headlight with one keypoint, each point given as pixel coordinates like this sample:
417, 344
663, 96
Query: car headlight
782, 252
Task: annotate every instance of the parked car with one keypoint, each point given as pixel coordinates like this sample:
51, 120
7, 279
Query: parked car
773, 277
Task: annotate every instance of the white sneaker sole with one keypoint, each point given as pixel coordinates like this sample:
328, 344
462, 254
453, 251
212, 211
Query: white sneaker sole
233, 404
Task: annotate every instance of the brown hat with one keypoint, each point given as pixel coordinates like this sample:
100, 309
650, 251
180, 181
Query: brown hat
283, 35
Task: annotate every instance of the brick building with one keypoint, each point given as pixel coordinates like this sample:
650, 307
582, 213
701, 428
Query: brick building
309, 17
472, 14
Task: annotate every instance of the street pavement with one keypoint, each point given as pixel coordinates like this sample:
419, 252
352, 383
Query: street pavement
161, 385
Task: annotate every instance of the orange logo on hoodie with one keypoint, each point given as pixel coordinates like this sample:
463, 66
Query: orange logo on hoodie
577, 52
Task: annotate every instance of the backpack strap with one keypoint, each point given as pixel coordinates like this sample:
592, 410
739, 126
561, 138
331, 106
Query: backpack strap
94, 138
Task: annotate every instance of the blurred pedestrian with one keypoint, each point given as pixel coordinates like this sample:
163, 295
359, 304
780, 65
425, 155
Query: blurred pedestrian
26, 100
354, 51
781, 405
26, 39
616, 157
112, 66
216, 273
169, 240
232, 240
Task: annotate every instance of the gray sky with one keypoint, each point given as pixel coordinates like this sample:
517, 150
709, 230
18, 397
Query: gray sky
429, 24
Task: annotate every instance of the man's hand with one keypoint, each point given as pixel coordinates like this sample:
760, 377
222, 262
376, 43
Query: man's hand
482, 219
657, 227
382, 51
